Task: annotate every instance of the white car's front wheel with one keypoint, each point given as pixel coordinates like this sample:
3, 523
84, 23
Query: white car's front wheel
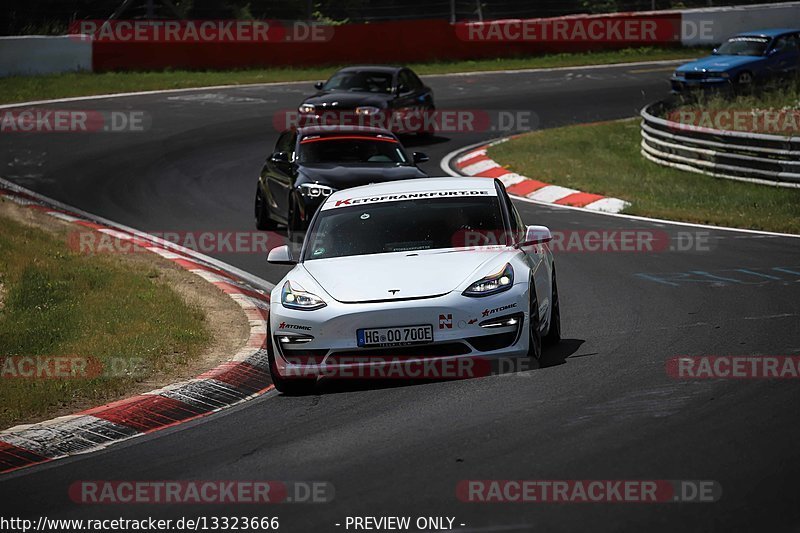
534, 334
554, 330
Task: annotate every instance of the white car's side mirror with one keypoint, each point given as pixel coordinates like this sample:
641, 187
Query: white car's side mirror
536, 235
281, 255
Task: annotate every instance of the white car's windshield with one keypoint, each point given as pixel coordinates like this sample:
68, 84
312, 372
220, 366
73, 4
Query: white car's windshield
743, 46
408, 225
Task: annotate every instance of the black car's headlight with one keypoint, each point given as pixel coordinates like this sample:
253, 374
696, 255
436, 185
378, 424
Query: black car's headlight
499, 282
307, 109
315, 190
294, 297
367, 110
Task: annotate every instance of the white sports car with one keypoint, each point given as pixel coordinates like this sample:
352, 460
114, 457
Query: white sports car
426, 269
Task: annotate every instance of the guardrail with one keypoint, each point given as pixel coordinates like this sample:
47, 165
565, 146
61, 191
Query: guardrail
23, 55
735, 155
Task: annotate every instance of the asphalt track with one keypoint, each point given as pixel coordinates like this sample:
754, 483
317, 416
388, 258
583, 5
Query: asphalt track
602, 408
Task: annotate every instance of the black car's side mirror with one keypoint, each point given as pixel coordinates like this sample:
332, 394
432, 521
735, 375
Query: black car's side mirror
420, 157
319, 85
279, 157
402, 89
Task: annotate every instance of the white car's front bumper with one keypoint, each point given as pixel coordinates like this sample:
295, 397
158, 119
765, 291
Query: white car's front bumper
323, 342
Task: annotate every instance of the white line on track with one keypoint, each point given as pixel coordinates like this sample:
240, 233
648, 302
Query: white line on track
303, 82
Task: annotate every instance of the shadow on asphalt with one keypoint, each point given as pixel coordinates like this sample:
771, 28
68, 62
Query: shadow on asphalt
558, 354
552, 356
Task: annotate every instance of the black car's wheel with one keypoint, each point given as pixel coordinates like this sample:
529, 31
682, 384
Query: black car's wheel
534, 335
554, 331
263, 221
289, 386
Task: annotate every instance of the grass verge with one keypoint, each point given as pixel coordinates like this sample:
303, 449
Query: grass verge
29, 88
604, 158
774, 110
119, 317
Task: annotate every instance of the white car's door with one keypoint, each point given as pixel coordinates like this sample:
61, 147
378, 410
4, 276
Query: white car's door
536, 260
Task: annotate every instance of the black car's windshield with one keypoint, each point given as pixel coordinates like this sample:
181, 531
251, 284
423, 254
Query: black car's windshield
352, 149
361, 81
743, 46
402, 226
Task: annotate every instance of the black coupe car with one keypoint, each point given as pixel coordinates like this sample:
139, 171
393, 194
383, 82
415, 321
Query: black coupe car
310, 163
389, 97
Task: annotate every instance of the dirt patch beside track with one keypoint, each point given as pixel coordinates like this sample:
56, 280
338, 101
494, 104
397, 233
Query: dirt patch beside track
227, 327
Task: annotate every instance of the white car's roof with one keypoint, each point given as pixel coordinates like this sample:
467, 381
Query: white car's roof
419, 187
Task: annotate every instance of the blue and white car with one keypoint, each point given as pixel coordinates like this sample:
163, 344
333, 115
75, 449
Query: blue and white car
744, 59
426, 269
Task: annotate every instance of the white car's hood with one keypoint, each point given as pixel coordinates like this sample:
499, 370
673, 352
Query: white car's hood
412, 274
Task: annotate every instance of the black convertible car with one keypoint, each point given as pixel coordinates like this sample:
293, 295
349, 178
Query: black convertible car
310, 163
389, 97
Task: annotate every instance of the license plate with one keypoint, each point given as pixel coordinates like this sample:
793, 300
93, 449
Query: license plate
396, 336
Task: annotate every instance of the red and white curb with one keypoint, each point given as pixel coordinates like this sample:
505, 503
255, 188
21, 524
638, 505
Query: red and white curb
244, 377
476, 163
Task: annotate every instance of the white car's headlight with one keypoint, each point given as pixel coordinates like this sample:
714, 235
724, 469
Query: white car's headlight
367, 110
307, 108
314, 190
499, 282
294, 297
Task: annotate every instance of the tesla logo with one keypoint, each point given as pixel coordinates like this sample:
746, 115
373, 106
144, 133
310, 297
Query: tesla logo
446, 321
394, 291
